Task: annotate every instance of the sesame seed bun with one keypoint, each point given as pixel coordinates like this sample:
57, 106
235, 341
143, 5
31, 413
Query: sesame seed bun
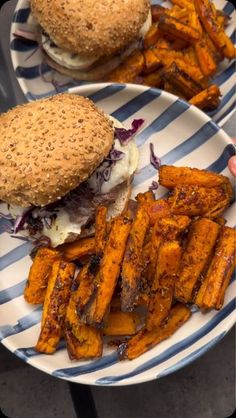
48, 147
89, 27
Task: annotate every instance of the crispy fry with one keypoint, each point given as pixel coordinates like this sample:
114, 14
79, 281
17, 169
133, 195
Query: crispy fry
201, 241
151, 37
181, 80
158, 209
130, 68
146, 197
121, 323
163, 284
200, 201
185, 4
131, 268
170, 177
153, 80
54, 309
87, 285
214, 30
109, 270
39, 273
82, 341
152, 63
144, 339
175, 27
205, 58
207, 99
100, 229
78, 249
172, 89
212, 291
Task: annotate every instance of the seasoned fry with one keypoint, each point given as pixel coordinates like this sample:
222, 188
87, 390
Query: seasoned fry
212, 291
170, 177
151, 37
144, 340
205, 58
208, 98
130, 68
175, 27
146, 197
131, 268
121, 323
214, 30
162, 292
152, 63
82, 341
54, 309
158, 209
100, 229
185, 4
87, 284
181, 80
202, 238
39, 273
200, 201
152, 80
109, 270
78, 249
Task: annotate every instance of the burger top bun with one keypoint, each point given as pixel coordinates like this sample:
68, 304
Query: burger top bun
48, 147
90, 27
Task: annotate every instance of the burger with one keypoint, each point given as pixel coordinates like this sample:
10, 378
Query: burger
86, 39
60, 158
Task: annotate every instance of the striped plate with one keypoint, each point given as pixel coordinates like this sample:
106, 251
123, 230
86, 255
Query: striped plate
35, 77
182, 135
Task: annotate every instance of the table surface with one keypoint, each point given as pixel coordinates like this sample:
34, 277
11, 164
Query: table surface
203, 389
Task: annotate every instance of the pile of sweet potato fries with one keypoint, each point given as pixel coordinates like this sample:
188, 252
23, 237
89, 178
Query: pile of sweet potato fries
181, 52
140, 272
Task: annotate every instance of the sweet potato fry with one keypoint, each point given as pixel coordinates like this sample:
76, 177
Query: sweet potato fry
39, 273
55, 304
175, 27
181, 80
109, 270
78, 249
162, 292
153, 80
131, 268
146, 197
131, 67
158, 209
144, 340
201, 241
82, 341
152, 63
185, 4
205, 58
121, 323
207, 99
87, 284
200, 201
214, 30
212, 291
151, 37
172, 89
170, 177
100, 229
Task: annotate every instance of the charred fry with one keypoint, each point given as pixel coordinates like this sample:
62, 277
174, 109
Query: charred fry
100, 229
178, 29
212, 291
87, 285
152, 63
202, 238
207, 99
54, 309
182, 81
144, 339
40, 270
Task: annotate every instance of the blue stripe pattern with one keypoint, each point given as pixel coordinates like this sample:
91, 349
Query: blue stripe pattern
32, 72
106, 92
221, 162
29, 352
175, 349
12, 292
21, 15
22, 46
15, 255
5, 225
23, 324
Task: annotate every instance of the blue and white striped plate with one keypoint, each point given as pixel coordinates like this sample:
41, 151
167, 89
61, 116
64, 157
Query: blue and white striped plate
183, 136
31, 72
